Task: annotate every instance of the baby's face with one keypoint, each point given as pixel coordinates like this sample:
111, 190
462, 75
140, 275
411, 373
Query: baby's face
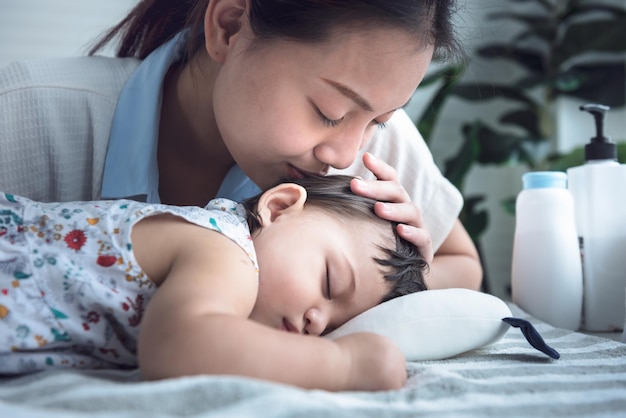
318, 271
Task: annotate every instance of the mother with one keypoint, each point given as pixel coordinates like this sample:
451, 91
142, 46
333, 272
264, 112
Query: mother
221, 97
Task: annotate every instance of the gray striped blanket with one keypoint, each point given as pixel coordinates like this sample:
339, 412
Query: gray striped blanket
506, 379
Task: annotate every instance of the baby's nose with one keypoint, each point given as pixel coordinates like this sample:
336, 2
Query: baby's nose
314, 322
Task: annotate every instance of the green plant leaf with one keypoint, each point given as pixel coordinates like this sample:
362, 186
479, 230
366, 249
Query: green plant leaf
531, 81
429, 80
576, 157
582, 9
428, 120
496, 147
493, 147
476, 223
535, 26
561, 162
606, 35
452, 71
484, 91
474, 220
544, 33
595, 82
527, 19
543, 3
530, 59
568, 82
508, 205
621, 151
527, 119
457, 167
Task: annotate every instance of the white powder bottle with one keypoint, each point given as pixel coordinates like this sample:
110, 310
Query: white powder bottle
546, 276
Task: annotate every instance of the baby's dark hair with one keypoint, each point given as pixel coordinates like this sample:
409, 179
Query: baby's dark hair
333, 194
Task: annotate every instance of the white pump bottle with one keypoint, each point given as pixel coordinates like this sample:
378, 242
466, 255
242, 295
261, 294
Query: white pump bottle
599, 191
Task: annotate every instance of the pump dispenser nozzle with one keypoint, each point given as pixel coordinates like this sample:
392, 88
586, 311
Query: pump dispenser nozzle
601, 147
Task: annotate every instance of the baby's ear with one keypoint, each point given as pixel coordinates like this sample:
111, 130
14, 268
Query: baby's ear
284, 199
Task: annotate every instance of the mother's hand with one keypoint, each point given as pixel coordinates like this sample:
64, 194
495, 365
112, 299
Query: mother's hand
394, 204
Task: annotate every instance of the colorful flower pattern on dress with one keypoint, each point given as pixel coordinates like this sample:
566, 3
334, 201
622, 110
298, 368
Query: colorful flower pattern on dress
71, 291
75, 239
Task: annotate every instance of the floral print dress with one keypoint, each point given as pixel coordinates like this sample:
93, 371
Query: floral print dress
71, 292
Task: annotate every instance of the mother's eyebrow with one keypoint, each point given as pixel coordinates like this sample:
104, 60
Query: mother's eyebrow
354, 96
350, 94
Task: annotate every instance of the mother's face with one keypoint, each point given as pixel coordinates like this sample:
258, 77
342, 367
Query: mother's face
288, 108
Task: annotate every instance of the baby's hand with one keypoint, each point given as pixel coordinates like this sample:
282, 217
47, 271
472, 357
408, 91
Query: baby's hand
376, 363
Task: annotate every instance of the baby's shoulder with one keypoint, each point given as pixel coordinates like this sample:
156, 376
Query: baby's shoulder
221, 215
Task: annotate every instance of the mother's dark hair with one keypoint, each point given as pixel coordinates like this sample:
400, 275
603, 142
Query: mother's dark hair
332, 194
153, 22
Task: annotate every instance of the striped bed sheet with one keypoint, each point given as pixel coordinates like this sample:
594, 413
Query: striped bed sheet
505, 379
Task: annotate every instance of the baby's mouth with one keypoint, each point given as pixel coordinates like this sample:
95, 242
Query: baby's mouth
287, 326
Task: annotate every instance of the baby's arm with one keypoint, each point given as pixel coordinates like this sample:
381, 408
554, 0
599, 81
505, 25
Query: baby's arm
197, 321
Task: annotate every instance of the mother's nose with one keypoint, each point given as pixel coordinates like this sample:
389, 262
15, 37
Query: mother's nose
340, 149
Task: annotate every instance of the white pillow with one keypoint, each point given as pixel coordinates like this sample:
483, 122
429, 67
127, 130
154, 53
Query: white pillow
434, 324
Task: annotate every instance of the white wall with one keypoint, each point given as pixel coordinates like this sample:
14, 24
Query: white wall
54, 28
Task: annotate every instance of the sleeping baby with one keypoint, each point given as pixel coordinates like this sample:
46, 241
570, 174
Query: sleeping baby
238, 289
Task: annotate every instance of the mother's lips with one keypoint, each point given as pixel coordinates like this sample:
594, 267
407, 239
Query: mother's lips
295, 172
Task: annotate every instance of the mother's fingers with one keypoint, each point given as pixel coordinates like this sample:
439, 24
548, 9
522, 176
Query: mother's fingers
385, 191
394, 204
410, 227
386, 187
379, 168
403, 213
419, 237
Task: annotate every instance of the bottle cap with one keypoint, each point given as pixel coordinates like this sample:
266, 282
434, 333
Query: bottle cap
601, 147
544, 179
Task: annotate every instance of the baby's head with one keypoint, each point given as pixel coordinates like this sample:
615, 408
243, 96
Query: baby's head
352, 240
